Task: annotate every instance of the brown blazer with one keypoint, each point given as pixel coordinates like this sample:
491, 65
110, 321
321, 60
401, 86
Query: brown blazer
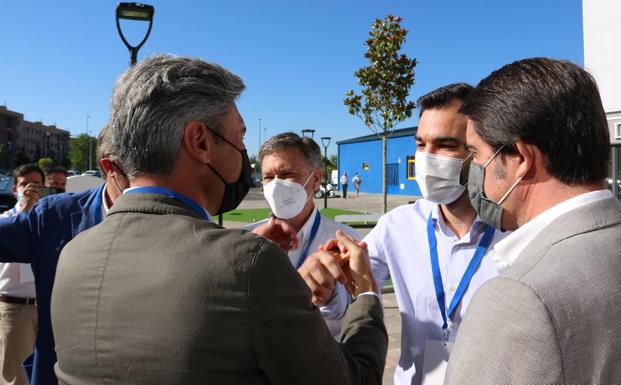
157, 295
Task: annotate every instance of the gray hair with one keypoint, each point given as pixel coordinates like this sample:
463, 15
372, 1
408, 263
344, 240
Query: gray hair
154, 100
287, 140
104, 148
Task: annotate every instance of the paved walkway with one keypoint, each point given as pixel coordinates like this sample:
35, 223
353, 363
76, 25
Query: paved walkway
367, 203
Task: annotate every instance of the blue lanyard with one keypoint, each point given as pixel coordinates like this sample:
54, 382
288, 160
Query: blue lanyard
313, 233
171, 194
465, 280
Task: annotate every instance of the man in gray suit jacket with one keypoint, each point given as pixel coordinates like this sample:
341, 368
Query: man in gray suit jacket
158, 294
540, 141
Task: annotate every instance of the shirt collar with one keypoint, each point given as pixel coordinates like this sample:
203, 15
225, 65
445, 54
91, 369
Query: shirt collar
104, 201
306, 228
509, 249
445, 230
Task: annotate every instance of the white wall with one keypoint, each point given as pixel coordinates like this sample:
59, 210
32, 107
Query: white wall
602, 48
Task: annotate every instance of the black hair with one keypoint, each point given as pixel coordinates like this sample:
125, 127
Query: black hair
54, 169
26, 169
443, 96
553, 104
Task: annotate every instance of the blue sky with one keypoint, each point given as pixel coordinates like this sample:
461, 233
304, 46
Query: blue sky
60, 58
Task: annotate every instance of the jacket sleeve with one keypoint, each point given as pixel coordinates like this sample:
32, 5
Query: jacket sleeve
291, 341
19, 235
506, 337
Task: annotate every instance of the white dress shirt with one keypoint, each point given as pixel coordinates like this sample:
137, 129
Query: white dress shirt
16, 279
506, 252
327, 230
399, 249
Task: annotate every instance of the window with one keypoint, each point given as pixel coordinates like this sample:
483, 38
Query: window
392, 171
411, 170
618, 131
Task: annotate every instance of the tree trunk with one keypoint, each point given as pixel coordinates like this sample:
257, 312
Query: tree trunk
384, 173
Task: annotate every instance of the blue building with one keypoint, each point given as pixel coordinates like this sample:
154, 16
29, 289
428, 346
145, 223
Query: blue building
363, 155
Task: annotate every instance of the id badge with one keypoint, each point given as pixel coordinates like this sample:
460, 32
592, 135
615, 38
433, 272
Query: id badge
435, 361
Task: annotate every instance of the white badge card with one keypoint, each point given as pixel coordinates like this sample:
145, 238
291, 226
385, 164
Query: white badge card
435, 362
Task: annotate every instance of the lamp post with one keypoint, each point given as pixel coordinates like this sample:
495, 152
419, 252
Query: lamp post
88, 135
325, 141
308, 133
134, 11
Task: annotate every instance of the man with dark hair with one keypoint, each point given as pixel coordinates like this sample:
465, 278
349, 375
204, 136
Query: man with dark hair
434, 250
56, 177
541, 144
37, 236
18, 313
291, 168
159, 294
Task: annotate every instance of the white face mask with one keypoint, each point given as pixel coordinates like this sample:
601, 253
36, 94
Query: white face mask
286, 198
438, 177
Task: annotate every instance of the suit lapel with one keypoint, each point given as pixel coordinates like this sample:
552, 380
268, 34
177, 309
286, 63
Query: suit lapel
590, 217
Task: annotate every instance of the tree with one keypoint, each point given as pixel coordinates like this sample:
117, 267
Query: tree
386, 83
46, 163
79, 152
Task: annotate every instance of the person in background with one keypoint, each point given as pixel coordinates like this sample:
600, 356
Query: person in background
436, 251
18, 311
541, 149
38, 235
56, 177
357, 181
344, 182
291, 168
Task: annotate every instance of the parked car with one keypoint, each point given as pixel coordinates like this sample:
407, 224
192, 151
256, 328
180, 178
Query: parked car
321, 192
92, 173
7, 199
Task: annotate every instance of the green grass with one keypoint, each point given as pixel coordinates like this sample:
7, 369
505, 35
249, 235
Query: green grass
255, 215
247, 215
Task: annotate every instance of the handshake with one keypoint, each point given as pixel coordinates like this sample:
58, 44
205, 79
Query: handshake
342, 259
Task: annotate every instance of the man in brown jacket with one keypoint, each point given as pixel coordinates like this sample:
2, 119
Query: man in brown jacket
158, 294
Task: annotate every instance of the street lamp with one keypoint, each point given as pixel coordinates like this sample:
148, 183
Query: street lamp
134, 11
308, 133
325, 141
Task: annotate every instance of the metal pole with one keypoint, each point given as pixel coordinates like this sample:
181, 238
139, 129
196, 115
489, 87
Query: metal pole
90, 166
325, 177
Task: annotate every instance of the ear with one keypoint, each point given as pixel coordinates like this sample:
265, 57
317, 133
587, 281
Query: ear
106, 164
317, 179
527, 153
198, 142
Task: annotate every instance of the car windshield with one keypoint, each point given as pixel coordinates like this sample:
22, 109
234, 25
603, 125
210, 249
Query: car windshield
6, 183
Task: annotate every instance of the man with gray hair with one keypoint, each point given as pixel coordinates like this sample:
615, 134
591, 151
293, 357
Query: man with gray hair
159, 294
291, 168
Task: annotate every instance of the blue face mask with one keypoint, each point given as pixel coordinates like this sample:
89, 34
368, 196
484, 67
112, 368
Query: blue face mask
489, 211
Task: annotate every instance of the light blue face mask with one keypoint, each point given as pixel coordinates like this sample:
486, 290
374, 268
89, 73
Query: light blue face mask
489, 211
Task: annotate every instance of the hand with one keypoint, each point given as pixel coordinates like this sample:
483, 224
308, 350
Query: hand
280, 232
31, 197
320, 271
358, 267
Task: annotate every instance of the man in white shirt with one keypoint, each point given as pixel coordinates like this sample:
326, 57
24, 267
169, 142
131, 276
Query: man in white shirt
291, 168
434, 273
540, 144
18, 312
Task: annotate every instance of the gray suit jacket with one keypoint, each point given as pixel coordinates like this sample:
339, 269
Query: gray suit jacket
554, 317
157, 295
